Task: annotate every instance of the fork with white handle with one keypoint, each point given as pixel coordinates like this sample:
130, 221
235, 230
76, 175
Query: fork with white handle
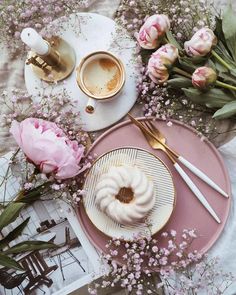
186, 163
157, 141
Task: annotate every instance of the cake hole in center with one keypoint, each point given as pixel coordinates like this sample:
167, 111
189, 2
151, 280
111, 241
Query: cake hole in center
125, 195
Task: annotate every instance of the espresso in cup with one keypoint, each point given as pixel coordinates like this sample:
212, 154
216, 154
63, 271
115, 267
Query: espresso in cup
100, 76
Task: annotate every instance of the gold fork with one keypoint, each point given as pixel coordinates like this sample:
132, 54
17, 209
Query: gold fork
156, 145
156, 135
158, 142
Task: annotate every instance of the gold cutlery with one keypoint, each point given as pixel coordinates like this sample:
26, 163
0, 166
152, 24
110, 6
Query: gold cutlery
160, 138
158, 141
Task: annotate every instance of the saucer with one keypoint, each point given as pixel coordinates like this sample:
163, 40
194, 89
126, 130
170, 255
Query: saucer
85, 41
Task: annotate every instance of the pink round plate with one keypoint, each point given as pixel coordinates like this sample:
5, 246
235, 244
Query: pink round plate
188, 213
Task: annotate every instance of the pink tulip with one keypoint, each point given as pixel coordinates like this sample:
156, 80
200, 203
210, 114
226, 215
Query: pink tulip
46, 145
160, 61
203, 77
201, 43
154, 27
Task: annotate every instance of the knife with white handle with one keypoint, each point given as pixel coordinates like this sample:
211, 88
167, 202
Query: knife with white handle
202, 176
196, 192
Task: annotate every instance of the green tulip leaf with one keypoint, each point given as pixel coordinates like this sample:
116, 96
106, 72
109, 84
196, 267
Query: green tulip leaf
227, 78
172, 40
220, 68
196, 61
228, 110
218, 29
146, 54
213, 98
180, 82
14, 234
229, 29
9, 262
29, 246
211, 64
10, 214
233, 72
229, 22
187, 65
224, 52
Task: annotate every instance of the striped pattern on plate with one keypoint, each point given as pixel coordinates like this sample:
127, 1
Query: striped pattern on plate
154, 169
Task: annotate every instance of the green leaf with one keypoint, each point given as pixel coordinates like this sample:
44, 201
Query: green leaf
229, 29
233, 72
220, 68
218, 29
196, 61
229, 22
227, 78
146, 53
14, 234
213, 98
9, 262
180, 82
224, 52
29, 246
10, 214
35, 193
226, 111
187, 65
31, 197
211, 64
172, 40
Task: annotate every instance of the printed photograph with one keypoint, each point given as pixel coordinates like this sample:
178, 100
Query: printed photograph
49, 270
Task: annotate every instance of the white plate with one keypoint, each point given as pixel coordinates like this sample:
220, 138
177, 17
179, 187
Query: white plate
154, 169
96, 32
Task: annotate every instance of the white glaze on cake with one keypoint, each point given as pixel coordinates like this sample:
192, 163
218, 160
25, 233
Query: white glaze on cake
119, 177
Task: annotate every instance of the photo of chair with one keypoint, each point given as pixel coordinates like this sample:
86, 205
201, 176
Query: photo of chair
12, 280
65, 249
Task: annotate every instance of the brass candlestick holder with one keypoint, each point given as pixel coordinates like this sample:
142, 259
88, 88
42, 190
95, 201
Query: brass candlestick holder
57, 64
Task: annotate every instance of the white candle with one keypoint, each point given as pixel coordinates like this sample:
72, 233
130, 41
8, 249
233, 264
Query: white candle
31, 38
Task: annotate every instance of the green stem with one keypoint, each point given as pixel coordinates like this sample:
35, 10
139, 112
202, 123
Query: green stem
182, 72
220, 60
224, 85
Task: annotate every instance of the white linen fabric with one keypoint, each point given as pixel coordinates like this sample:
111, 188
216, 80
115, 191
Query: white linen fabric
11, 76
225, 247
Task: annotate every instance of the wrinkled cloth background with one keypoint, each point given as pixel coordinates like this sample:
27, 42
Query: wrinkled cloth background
12, 76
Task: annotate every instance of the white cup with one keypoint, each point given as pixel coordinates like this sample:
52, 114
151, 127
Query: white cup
101, 76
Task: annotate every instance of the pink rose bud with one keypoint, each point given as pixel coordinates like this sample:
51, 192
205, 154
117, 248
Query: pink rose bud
203, 77
201, 43
154, 27
46, 145
160, 61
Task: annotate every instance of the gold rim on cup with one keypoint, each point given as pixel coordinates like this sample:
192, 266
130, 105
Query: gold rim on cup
81, 84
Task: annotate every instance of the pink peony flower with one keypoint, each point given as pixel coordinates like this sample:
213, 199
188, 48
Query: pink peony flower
159, 62
201, 43
203, 77
45, 144
154, 27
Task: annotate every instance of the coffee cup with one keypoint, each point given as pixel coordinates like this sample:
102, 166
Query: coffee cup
101, 76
